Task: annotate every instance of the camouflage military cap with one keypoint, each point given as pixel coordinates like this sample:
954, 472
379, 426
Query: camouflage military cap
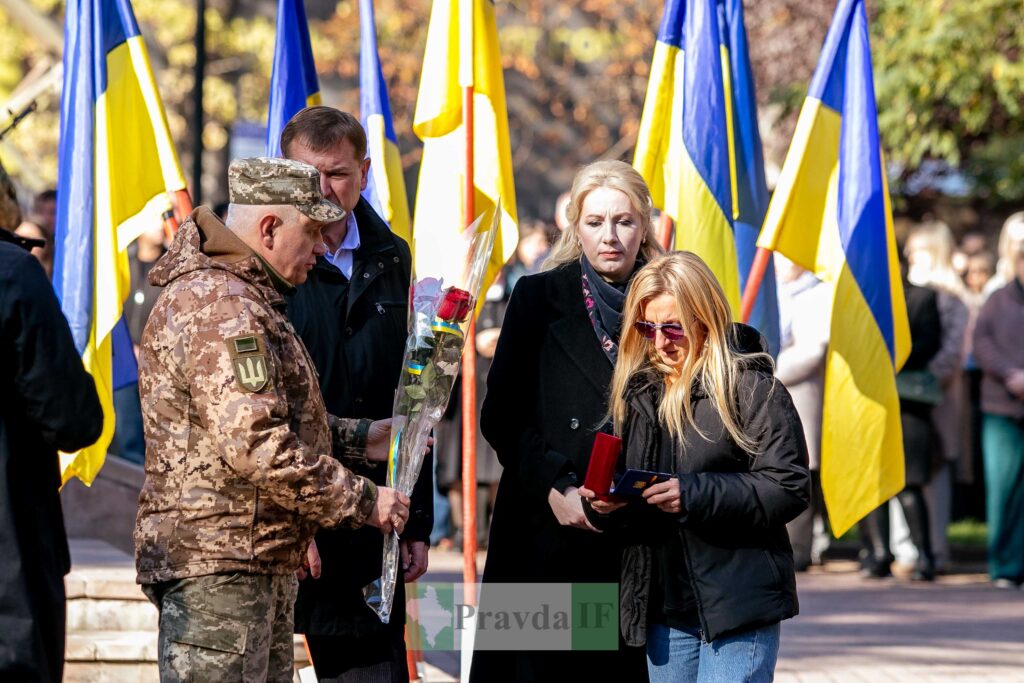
10, 212
262, 180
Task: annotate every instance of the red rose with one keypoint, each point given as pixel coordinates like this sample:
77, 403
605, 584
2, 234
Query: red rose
456, 306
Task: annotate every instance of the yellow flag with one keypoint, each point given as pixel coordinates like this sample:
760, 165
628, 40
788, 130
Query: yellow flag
462, 52
831, 214
118, 169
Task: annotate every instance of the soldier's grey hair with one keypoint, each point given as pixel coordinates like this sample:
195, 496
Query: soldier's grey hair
243, 218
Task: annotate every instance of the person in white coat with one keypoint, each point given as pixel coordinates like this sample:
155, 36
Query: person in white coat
805, 305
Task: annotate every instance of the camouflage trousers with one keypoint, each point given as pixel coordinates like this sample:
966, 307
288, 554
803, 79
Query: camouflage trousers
226, 627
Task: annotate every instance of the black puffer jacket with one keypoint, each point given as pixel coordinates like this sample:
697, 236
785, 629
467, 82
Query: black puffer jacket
735, 504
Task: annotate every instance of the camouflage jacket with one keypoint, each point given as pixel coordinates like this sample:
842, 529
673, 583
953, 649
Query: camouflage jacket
239, 470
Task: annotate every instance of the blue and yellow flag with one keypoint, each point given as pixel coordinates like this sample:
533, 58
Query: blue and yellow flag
117, 168
830, 214
462, 51
385, 188
293, 82
699, 148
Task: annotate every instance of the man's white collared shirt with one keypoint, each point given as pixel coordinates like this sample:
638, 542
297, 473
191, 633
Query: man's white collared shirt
344, 258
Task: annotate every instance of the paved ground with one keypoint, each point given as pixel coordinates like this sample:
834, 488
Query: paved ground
852, 629
855, 630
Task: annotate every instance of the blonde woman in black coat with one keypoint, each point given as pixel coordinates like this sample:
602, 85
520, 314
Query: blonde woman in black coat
546, 398
708, 574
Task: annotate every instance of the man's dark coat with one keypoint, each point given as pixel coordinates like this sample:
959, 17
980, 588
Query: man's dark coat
355, 331
47, 403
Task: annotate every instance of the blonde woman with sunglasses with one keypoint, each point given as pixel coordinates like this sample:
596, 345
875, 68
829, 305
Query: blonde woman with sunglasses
708, 574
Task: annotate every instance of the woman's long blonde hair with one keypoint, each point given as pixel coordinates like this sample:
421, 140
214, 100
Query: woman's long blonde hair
1010, 237
935, 239
713, 365
617, 175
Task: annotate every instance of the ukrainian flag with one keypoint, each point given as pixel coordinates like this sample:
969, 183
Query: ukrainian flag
462, 50
699, 148
293, 82
385, 188
117, 168
830, 214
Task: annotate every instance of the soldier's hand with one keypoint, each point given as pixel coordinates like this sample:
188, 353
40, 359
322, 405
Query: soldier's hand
310, 563
390, 511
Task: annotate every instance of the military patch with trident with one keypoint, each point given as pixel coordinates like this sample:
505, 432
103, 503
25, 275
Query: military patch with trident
249, 360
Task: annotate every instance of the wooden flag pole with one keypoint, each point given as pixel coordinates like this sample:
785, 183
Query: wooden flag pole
413, 644
181, 208
182, 205
199, 73
757, 271
665, 231
469, 387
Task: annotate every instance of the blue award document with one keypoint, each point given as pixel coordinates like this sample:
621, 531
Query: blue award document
635, 482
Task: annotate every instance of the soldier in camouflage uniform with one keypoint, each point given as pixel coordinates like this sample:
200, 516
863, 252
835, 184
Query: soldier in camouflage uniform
239, 472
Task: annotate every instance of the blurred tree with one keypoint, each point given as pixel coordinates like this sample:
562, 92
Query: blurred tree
240, 44
950, 81
575, 78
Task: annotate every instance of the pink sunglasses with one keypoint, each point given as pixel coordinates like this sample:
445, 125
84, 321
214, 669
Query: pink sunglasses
673, 331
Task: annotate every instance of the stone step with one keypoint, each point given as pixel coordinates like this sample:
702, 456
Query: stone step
100, 571
102, 595
111, 625
124, 657
136, 672
131, 646
93, 614
111, 672
111, 646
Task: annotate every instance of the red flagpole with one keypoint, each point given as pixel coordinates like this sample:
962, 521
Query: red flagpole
469, 387
757, 271
665, 231
181, 208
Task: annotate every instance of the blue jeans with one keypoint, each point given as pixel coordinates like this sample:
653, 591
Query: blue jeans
679, 656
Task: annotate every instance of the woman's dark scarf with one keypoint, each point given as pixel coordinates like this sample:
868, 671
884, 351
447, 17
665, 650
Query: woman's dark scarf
605, 301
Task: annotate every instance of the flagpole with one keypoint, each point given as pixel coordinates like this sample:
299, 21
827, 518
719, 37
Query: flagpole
665, 231
757, 271
197, 106
469, 352
469, 384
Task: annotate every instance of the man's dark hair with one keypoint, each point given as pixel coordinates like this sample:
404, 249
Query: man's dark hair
321, 128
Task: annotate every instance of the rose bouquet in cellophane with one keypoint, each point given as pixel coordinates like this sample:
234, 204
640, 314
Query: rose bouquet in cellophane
441, 307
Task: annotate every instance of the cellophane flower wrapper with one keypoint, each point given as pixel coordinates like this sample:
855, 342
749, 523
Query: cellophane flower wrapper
441, 309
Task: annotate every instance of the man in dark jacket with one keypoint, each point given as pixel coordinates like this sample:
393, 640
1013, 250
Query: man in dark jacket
47, 403
352, 315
